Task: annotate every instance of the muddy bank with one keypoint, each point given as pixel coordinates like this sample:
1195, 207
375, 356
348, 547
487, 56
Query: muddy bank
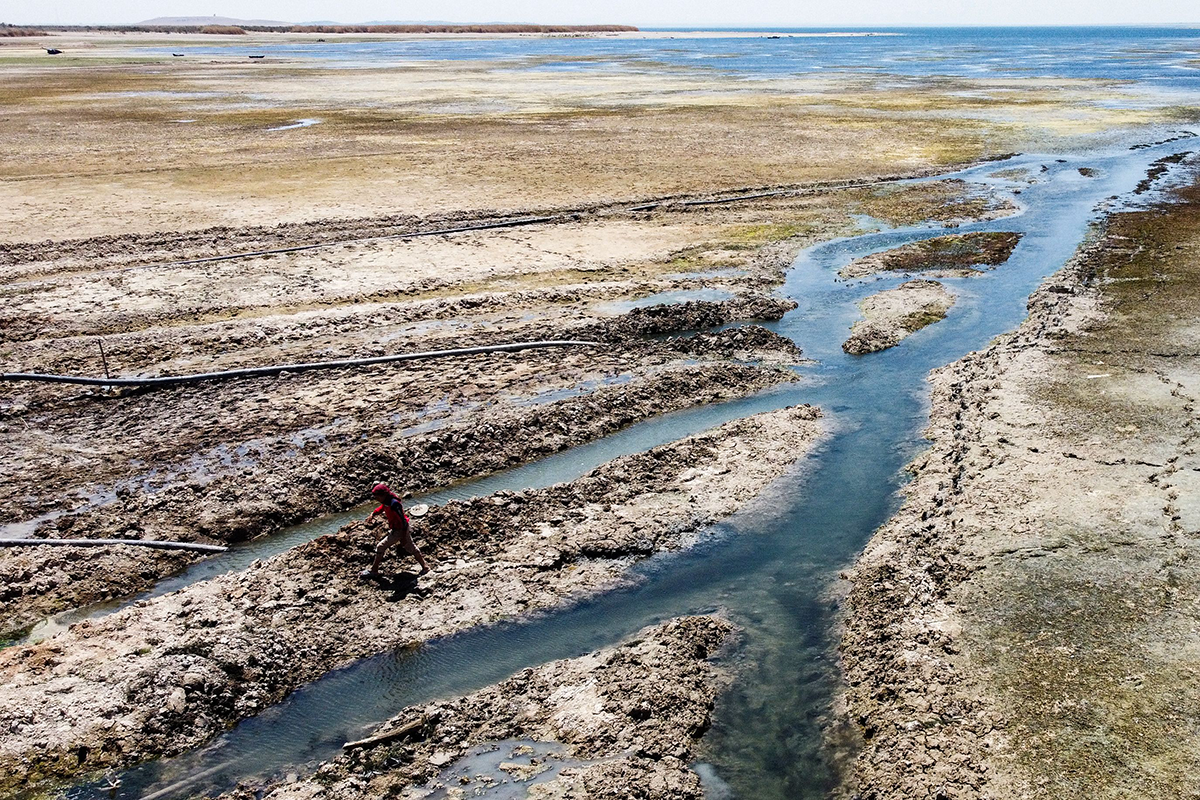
102, 693
620, 722
959, 255
281, 480
1025, 626
688, 316
950, 201
891, 316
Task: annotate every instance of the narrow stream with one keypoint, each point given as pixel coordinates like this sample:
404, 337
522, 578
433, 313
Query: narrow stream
769, 567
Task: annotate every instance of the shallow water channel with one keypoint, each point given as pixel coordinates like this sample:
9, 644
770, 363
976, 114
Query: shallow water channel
771, 567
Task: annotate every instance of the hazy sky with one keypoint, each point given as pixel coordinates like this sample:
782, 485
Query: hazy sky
645, 13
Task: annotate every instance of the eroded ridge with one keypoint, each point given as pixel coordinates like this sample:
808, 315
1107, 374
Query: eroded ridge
168, 673
1025, 626
620, 722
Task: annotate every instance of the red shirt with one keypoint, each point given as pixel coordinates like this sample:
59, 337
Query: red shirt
393, 509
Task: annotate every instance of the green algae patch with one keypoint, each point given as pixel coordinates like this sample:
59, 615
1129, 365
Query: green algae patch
767, 233
1149, 281
921, 319
958, 254
951, 200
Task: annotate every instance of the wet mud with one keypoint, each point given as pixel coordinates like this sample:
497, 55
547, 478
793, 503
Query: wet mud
620, 722
169, 673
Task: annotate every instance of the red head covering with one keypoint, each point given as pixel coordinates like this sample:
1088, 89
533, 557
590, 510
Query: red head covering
382, 488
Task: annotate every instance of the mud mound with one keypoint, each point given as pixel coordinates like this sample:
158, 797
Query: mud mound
690, 316
894, 315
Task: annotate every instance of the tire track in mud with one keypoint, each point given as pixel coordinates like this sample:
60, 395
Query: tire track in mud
294, 237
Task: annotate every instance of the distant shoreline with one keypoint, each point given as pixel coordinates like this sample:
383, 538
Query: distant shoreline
222, 32
234, 28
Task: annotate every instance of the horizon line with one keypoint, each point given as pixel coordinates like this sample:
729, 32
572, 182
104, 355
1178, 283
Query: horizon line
741, 27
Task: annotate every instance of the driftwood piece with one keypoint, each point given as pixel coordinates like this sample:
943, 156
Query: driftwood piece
390, 736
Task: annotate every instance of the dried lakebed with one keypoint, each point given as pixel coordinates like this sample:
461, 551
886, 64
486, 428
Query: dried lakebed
774, 584
167, 674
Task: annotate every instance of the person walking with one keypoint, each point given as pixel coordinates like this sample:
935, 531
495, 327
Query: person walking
399, 531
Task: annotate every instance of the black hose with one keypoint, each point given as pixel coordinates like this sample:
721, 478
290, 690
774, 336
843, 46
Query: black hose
258, 372
159, 545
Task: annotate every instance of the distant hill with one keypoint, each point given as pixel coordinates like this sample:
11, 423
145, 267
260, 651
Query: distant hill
192, 21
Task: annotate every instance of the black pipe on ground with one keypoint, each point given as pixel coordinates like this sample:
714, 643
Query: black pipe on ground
155, 543
259, 372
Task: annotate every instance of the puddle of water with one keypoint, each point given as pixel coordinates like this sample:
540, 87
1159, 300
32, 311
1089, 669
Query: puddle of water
868, 224
501, 770
92, 500
428, 326
727, 272
665, 298
768, 567
198, 470
580, 389
300, 123
26, 528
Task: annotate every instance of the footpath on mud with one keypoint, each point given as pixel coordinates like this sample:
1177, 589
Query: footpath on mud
1025, 626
